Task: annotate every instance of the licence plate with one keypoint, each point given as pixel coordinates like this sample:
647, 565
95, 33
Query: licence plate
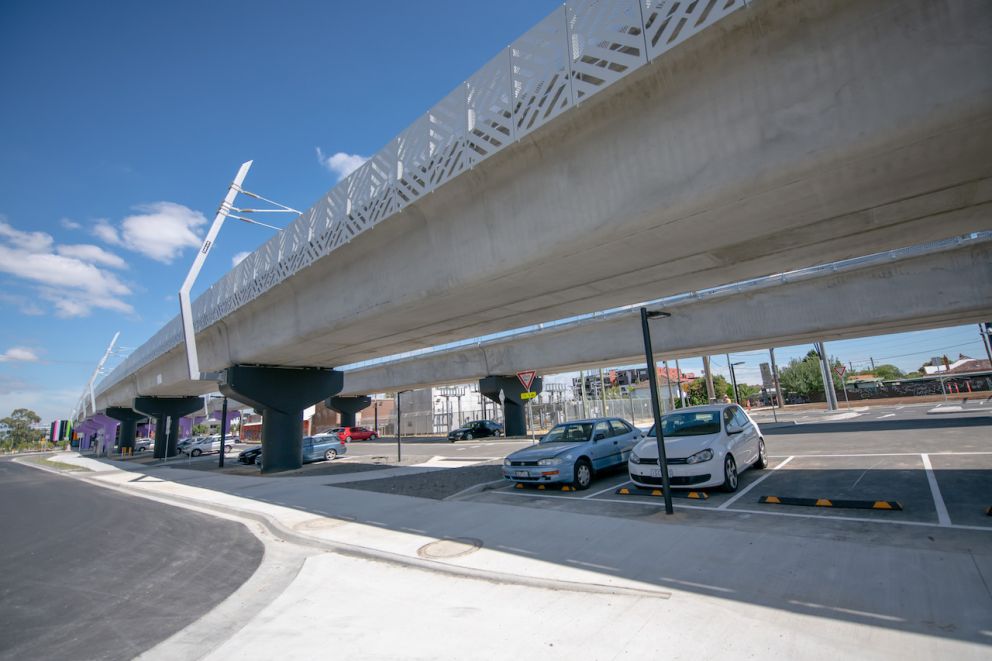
521, 474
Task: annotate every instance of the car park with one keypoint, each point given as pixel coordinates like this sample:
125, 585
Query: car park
476, 429
706, 446
573, 452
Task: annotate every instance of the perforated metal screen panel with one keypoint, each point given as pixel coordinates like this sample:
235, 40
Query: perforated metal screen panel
575, 52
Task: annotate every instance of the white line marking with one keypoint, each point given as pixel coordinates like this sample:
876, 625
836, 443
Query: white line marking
829, 517
876, 454
887, 415
615, 486
740, 494
943, 518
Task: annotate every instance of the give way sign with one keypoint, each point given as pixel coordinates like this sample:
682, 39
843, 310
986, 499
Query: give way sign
526, 378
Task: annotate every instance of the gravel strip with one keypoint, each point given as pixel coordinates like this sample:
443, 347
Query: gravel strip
437, 484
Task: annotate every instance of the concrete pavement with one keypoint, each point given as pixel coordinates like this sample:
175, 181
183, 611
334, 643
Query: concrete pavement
388, 589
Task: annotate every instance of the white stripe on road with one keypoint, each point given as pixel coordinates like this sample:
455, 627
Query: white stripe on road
887, 415
943, 518
764, 477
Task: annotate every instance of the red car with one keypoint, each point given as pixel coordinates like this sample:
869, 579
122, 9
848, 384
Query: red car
353, 433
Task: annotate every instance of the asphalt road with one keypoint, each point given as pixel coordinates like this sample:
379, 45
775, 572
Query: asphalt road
91, 574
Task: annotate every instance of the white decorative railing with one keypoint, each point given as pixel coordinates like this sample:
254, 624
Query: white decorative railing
580, 49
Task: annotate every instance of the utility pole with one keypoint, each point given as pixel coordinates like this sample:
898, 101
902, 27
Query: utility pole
986, 332
602, 393
678, 374
872, 363
778, 388
582, 392
828, 381
710, 393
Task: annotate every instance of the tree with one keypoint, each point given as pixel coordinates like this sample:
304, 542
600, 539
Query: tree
888, 372
19, 430
803, 376
697, 390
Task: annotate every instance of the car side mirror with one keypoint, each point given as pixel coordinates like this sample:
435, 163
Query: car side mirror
599, 437
734, 430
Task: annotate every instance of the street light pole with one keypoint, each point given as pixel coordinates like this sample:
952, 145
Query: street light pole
223, 433
733, 379
656, 406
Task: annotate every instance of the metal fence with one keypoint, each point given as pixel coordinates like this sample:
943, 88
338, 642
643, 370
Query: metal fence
580, 49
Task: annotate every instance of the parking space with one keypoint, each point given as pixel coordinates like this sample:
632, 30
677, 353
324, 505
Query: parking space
965, 485
870, 475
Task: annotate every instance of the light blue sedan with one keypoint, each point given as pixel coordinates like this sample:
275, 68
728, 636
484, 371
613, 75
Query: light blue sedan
315, 448
573, 452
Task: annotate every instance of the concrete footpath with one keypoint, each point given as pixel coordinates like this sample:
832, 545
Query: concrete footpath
400, 577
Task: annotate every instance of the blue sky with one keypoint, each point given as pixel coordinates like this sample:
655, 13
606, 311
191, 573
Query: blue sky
124, 123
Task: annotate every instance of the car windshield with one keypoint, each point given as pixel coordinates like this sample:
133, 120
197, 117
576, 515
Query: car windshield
572, 432
689, 423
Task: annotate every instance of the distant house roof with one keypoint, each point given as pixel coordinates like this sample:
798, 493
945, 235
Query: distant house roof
969, 365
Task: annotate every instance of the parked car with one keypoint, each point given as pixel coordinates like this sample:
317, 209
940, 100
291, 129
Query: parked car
573, 452
250, 456
142, 444
706, 446
319, 446
208, 444
347, 434
184, 443
476, 429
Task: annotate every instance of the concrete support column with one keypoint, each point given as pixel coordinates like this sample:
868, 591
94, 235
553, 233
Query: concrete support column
129, 423
281, 394
167, 410
514, 408
710, 392
828, 380
348, 407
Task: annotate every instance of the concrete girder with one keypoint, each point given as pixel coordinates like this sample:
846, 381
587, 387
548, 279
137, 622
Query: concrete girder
941, 289
759, 146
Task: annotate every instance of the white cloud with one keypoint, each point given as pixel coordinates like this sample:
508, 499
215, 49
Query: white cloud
340, 163
29, 241
94, 254
70, 224
161, 230
23, 304
22, 354
67, 278
240, 257
105, 231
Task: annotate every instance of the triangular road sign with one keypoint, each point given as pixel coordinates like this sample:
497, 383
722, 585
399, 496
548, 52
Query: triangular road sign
526, 378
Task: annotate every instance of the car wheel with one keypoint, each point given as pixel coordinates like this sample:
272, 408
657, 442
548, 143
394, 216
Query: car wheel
373, 437
499, 433
469, 437
347, 439
228, 448
331, 454
762, 461
730, 480
197, 452
583, 475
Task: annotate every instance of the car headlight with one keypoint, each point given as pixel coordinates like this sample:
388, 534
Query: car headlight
553, 461
506, 462
700, 457
634, 459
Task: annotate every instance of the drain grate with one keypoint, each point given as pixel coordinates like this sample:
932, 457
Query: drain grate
450, 548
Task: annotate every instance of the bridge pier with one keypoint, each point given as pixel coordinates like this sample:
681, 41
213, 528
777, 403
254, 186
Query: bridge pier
514, 411
163, 409
128, 418
280, 394
348, 407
